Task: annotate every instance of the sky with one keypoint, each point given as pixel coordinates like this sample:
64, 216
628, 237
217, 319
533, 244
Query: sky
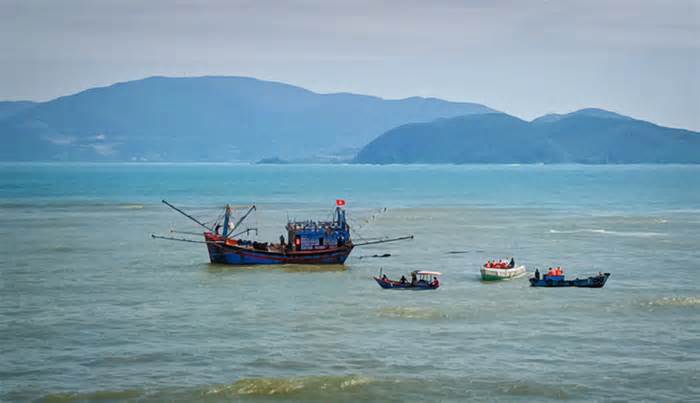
524, 57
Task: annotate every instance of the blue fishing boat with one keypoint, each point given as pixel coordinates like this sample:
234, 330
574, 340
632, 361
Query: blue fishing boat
597, 281
420, 280
309, 241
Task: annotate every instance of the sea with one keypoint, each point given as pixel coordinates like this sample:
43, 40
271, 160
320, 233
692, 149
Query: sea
92, 308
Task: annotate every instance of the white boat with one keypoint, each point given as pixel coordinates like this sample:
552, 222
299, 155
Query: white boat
491, 273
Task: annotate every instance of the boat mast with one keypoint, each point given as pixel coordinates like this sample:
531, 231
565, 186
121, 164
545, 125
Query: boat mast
227, 217
240, 220
340, 217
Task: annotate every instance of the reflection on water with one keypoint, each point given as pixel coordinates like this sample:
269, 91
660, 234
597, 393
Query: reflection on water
318, 268
289, 268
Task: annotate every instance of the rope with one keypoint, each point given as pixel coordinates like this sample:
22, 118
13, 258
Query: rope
357, 228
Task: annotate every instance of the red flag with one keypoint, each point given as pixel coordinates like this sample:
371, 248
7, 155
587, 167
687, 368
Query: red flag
340, 202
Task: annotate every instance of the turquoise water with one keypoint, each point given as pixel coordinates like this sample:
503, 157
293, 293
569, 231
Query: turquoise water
92, 309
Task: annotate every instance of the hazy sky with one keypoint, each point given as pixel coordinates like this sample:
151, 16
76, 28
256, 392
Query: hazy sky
527, 58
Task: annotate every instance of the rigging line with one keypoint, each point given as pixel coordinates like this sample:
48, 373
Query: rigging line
187, 215
184, 232
357, 229
384, 240
240, 220
247, 231
168, 238
215, 221
374, 214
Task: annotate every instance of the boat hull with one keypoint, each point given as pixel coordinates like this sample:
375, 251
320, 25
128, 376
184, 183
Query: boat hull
559, 281
396, 285
243, 256
491, 274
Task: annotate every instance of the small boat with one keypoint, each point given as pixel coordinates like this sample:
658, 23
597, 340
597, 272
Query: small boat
501, 270
597, 281
420, 280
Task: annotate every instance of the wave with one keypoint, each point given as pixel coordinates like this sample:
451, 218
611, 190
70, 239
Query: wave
287, 386
131, 206
608, 232
340, 388
301, 388
58, 203
61, 249
673, 302
102, 395
411, 313
535, 390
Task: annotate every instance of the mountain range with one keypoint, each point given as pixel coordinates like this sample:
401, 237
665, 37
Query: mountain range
245, 119
206, 119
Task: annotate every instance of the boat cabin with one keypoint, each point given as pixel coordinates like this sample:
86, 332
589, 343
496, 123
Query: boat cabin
314, 235
425, 277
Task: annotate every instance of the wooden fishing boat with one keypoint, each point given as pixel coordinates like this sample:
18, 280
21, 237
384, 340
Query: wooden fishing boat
597, 281
310, 242
420, 280
236, 252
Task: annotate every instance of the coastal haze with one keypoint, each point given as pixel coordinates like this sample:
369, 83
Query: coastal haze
526, 58
245, 119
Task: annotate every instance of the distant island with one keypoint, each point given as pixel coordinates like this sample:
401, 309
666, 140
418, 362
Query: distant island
272, 160
588, 136
249, 120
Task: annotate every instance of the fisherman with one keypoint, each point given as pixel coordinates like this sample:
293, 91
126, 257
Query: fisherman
403, 280
550, 272
281, 241
537, 274
435, 282
413, 278
512, 262
384, 277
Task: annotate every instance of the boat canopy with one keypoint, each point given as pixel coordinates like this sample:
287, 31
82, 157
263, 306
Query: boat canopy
428, 273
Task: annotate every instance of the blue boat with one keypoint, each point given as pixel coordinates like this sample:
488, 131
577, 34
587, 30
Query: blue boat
597, 281
420, 280
309, 242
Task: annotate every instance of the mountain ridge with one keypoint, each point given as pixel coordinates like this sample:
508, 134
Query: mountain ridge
578, 137
237, 118
209, 118
11, 108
